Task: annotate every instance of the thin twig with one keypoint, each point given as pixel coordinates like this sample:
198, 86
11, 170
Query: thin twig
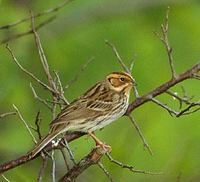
119, 59
28, 32
163, 88
165, 41
196, 76
131, 168
146, 145
53, 173
7, 114
132, 65
80, 71
186, 110
43, 58
171, 111
37, 124
101, 166
27, 72
43, 13
65, 158
71, 155
6, 179
39, 98
181, 100
25, 124
61, 89
42, 169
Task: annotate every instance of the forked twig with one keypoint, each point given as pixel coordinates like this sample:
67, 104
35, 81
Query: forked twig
165, 41
131, 168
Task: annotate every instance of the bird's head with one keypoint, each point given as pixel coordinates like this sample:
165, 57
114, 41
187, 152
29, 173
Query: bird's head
120, 82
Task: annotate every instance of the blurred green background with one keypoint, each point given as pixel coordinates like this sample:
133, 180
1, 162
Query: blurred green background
77, 34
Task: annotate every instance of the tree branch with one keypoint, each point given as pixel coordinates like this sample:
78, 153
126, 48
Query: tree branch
163, 88
92, 158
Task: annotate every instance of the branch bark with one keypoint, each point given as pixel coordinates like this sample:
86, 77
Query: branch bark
92, 158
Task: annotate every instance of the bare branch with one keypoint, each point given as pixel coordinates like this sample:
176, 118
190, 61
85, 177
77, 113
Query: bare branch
37, 124
65, 158
43, 58
25, 124
196, 76
101, 166
92, 158
69, 150
43, 13
42, 169
132, 65
83, 67
7, 114
186, 110
6, 179
182, 112
119, 59
53, 173
181, 100
162, 88
28, 32
171, 111
140, 134
27, 72
40, 99
165, 41
131, 168
61, 89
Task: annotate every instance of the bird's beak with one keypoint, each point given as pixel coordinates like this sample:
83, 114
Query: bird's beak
133, 83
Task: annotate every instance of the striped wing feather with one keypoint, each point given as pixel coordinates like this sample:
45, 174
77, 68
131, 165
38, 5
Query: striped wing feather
84, 108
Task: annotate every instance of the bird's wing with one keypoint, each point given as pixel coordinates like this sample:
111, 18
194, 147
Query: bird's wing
91, 104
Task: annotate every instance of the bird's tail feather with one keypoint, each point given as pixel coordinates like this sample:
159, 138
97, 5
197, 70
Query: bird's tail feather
43, 143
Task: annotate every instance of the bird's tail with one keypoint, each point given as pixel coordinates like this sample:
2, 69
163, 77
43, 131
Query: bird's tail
43, 143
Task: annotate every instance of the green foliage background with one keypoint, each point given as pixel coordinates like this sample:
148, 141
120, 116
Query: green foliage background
77, 34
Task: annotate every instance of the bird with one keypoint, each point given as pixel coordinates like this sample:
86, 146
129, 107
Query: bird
102, 104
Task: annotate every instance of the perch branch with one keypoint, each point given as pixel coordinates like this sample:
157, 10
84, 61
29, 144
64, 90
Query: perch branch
132, 106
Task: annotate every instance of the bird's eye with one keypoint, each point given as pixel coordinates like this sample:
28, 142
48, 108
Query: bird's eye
122, 79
